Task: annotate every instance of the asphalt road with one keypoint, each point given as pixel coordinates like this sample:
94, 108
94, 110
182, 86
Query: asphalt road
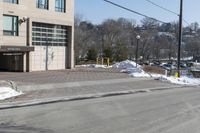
168, 111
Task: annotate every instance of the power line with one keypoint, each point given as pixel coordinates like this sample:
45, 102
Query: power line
186, 22
162, 7
117, 5
153, 3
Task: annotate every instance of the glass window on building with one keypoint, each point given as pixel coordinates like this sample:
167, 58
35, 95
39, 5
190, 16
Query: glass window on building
10, 25
60, 5
49, 34
42, 4
11, 1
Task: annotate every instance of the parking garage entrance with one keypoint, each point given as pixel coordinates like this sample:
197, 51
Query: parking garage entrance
13, 58
11, 62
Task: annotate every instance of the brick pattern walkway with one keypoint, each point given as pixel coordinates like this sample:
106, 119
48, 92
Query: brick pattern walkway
61, 76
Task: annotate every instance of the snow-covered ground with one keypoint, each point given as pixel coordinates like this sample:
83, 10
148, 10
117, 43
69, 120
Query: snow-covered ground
95, 66
7, 92
182, 80
130, 68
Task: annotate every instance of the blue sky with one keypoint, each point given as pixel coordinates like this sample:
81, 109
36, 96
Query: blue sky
97, 11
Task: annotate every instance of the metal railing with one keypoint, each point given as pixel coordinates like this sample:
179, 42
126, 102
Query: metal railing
8, 83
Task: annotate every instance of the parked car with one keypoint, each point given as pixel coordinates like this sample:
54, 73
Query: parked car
168, 66
155, 63
190, 64
183, 66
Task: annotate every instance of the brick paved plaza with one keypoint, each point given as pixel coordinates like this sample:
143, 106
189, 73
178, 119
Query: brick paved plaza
62, 76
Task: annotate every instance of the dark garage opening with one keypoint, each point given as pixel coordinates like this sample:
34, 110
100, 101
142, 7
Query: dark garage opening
11, 62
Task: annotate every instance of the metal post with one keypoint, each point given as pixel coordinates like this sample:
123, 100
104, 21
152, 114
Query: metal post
27, 32
46, 63
180, 38
28, 44
136, 53
47, 53
102, 42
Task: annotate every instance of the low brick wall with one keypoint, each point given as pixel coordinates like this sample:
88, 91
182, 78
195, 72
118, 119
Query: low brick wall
153, 69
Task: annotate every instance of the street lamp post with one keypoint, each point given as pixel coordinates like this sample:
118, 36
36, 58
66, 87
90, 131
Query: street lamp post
136, 52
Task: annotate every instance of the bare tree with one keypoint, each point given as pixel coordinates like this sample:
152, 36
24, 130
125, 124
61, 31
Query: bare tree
116, 38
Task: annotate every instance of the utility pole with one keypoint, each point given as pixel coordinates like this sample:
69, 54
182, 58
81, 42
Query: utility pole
180, 38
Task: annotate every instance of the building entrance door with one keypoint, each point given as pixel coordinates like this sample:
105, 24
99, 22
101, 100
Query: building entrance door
17, 63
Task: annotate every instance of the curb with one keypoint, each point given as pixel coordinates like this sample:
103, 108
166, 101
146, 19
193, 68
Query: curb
80, 97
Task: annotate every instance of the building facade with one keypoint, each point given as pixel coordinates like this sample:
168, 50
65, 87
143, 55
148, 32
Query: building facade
36, 35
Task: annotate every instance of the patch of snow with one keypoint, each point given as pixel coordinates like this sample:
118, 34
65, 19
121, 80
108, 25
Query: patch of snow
96, 66
140, 75
7, 92
184, 80
129, 67
166, 34
181, 81
196, 64
156, 75
187, 58
125, 65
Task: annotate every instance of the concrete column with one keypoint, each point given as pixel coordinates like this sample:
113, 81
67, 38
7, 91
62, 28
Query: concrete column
24, 62
70, 49
1, 23
29, 43
52, 5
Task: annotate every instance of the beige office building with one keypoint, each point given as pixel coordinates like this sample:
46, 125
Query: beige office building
36, 35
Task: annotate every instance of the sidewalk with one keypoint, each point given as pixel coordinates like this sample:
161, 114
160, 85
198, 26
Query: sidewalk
86, 91
90, 88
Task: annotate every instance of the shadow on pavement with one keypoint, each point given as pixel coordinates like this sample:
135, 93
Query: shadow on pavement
9, 128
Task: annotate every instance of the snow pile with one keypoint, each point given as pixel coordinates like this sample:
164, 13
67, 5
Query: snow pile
7, 92
129, 67
95, 66
125, 65
136, 72
181, 81
196, 64
184, 80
